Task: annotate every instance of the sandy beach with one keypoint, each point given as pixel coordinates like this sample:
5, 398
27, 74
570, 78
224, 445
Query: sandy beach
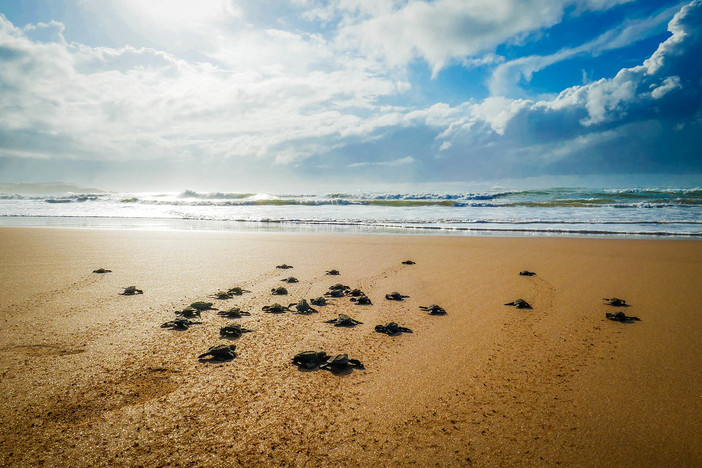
89, 378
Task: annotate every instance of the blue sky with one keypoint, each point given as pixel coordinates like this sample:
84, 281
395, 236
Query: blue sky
247, 95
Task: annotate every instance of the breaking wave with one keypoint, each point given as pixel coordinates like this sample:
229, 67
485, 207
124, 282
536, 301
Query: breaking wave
621, 211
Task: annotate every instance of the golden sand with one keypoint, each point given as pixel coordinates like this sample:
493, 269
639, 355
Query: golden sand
89, 378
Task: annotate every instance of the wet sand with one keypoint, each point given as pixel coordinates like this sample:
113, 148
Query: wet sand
89, 378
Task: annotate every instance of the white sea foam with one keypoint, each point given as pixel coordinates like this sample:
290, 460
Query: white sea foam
612, 211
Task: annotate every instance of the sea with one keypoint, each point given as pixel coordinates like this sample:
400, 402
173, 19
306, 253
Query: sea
639, 212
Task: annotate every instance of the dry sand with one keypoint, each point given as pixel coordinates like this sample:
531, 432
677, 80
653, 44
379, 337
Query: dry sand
89, 377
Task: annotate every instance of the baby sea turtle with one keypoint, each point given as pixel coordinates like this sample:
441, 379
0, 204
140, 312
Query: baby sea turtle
320, 301
362, 300
281, 291
222, 295
519, 304
237, 291
283, 267
302, 307
102, 270
180, 324
335, 293
344, 321
355, 293
622, 317
434, 309
526, 273
395, 296
233, 331
200, 305
310, 359
189, 312
275, 309
340, 363
408, 262
615, 302
131, 290
290, 279
392, 329
234, 313
220, 353
333, 272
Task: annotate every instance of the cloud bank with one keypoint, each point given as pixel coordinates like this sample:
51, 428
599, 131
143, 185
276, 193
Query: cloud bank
307, 101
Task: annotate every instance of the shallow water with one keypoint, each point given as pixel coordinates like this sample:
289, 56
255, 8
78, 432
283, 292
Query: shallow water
633, 212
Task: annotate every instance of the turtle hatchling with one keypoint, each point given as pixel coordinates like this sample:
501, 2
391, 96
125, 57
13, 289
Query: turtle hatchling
131, 290
283, 267
233, 331
408, 262
333, 272
220, 353
340, 363
519, 304
237, 291
344, 321
233, 313
222, 295
200, 305
180, 324
392, 329
395, 296
281, 291
302, 307
335, 293
434, 309
622, 317
615, 302
526, 273
189, 312
102, 270
362, 300
319, 301
310, 359
275, 309
290, 279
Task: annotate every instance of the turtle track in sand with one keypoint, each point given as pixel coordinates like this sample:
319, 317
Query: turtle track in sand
525, 386
42, 299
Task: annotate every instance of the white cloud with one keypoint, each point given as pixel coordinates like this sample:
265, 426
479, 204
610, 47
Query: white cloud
669, 84
395, 162
497, 111
270, 96
666, 88
444, 31
264, 94
447, 29
506, 77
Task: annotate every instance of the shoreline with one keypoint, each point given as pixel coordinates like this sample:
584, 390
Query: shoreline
322, 227
91, 379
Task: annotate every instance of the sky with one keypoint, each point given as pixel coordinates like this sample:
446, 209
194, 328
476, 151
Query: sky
261, 95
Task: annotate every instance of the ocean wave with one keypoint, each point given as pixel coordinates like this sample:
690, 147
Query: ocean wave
366, 226
541, 198
215, 195
233, 200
